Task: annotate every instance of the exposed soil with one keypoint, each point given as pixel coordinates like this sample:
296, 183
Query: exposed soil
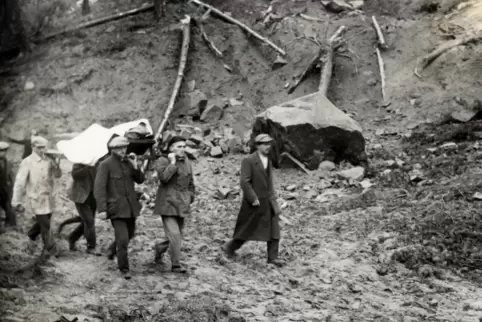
340, 247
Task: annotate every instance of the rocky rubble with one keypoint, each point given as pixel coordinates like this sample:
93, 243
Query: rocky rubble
208, 142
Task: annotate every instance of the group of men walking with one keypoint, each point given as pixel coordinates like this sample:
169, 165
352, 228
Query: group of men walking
108, 189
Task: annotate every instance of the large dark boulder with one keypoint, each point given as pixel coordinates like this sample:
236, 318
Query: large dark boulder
309, 126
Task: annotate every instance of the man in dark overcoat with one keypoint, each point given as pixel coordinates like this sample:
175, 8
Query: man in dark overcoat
258, 218
6, 186
82, 194
173, 201
116, 197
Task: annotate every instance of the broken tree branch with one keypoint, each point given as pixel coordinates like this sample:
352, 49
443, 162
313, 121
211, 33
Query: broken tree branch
241, 25
302, 15
206, 39
428, 59
381, 40
327, 69
381, 65
186, 37
295, 161
97, 22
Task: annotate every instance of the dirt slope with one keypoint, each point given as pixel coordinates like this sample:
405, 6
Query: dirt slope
337, 246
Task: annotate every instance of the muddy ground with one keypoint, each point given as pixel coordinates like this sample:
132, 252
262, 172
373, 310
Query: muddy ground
383, 254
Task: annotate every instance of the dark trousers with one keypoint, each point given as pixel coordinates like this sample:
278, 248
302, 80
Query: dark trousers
273, 247
87, 226
173, 228
10, 215
42, 227
124, 229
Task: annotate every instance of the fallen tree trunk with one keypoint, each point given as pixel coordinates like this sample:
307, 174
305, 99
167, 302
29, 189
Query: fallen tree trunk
428, 59
241, 25
96, 22
326, 72
186, 37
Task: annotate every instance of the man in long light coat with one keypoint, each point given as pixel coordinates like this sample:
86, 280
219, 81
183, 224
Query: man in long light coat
36, 177
258, 218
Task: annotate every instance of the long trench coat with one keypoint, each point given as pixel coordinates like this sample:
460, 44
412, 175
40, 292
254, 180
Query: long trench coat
258, 223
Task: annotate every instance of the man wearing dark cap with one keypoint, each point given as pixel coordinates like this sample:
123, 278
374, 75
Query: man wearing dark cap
6, 186
258, 218
173, 201
116, 198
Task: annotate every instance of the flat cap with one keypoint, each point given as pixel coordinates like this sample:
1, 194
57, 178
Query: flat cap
263, 138
4, 145
118, 142
39, 141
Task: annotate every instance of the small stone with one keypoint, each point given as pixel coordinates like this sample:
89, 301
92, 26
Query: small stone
196, 138
311, 194
234, 102
216, 152
417, 166
222, 193
306, 188
291, 187
357, 4
327, 166
372, 82
355, 173
224, 145
186, 134
291, 196
212, 113
377, 146
29, 86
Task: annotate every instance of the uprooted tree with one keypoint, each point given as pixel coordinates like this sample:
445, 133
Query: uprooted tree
311, 128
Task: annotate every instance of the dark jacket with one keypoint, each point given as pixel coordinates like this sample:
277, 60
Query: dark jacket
83, 184
176, 188
261, 222
6, 179
114, 188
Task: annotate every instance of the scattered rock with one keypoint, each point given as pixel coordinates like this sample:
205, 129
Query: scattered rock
327, 166
212, 113
357, 5
234, 102
197, 103
355, 173
222, 193
311, 194
291, 187
29, 86
216, 152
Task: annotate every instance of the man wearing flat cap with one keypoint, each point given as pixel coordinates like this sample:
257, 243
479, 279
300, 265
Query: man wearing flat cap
173, 201
6, 186
258, 218
116, 198
36, 177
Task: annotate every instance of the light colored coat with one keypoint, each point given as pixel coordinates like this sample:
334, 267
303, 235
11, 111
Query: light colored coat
36, 177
